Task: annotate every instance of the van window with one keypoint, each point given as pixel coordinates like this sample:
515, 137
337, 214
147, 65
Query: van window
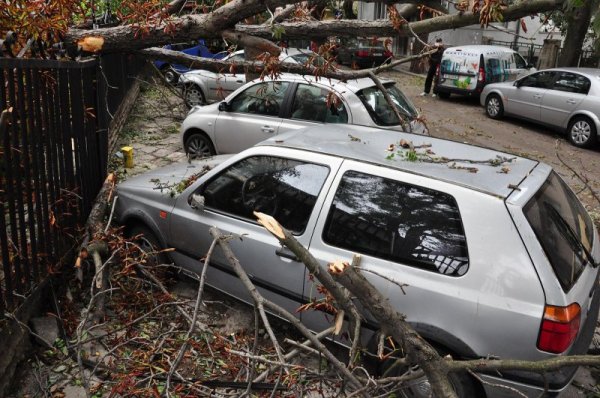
404, 223
520, 62
563, 228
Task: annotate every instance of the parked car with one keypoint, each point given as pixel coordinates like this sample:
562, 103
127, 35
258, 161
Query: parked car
201, 86
567, 99
263, 108
198, 49
496, 264
466, 70
363, 53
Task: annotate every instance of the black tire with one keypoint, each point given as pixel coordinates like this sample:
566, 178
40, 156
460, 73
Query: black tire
465, 385
198, 145
170, 75
494, 107
193, 95
443, 95
150, 245
582, 132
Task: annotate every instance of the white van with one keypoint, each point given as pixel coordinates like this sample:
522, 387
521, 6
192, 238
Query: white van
466, 70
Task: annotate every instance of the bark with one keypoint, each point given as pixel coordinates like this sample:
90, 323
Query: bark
419, 65
211, 25
315, 29
578, 22
219, 66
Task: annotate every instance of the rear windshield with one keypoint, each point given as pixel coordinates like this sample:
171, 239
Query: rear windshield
563, 228
379, 109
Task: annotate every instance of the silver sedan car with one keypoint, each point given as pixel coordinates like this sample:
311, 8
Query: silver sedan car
264, 108
204, 87
567, 99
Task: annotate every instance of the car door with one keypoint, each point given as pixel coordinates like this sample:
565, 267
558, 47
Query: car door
313, 105
284, 187
526, 100
224, 84
253, 116
565, 95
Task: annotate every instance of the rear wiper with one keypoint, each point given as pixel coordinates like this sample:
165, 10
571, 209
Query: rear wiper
567, 232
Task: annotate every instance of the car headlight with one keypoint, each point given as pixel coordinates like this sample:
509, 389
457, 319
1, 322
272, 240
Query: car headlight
194, 109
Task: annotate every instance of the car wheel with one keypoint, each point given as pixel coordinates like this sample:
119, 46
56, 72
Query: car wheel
493, 106
198, 146
582, 132
170, 75
149, 245
443, 95
464, 384
193, 95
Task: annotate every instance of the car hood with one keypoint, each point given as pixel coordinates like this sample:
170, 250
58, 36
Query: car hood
169, 176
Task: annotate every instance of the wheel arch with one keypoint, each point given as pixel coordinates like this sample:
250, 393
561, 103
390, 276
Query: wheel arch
583, 113
195, 130
135, 218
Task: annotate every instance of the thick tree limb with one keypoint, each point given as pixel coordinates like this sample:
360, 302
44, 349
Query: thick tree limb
344, 27
123, 38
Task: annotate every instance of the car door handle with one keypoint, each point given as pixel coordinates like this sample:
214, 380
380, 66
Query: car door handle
287, 253
571, 101
268, 129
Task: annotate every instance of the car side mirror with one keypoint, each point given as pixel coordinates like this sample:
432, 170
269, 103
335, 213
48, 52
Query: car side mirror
224, 107
197, 202
529, 66
517, 83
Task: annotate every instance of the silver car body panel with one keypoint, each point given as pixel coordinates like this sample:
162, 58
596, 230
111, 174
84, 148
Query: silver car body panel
549, 107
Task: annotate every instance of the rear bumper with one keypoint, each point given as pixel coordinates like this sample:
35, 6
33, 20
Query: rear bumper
455, 90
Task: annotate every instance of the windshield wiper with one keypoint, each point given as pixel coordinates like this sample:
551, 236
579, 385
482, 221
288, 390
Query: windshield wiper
567, 232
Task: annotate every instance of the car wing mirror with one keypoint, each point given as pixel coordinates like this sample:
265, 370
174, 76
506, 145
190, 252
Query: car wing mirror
197, 202
224, 107
530, 66
517, 83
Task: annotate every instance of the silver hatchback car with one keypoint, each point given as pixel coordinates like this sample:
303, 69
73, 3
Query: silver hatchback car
262, 109
498, 264
567, 99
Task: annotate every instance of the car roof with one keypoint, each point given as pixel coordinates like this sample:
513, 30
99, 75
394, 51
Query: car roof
370, 145
352, 85
482, 48
592, 73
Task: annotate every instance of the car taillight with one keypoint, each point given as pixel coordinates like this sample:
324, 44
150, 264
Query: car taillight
362, 53
559, 328
481, 77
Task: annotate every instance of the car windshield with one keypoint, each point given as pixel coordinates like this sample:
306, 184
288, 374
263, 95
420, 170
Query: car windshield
379, 109
563, 228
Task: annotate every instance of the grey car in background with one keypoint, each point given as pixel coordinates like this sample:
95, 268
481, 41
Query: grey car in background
495, 264
264, 108
567, 99
202, 87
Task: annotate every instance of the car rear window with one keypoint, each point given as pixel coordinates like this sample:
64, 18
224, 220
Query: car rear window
392, 220
379, 109
563, 228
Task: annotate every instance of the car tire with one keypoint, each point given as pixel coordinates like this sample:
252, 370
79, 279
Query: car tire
170, 75
465, 385
193, 95
494, 107
198, 145
582, 132
148, 242
444, 95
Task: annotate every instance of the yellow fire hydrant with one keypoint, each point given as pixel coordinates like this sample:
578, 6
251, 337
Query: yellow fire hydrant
127, 152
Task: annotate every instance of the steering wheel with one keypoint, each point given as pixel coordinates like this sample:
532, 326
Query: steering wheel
258, 195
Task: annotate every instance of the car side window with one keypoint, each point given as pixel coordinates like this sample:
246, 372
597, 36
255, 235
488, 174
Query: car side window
538, 80
395, 221
286, 189
572, 83
263, 99
311, 103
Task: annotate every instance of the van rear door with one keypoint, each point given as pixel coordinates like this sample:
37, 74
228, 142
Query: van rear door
459, 69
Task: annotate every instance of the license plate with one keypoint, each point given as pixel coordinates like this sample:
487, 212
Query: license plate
450, 77
377, 54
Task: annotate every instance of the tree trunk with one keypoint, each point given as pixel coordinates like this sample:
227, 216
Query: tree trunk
419, 65
578, 20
